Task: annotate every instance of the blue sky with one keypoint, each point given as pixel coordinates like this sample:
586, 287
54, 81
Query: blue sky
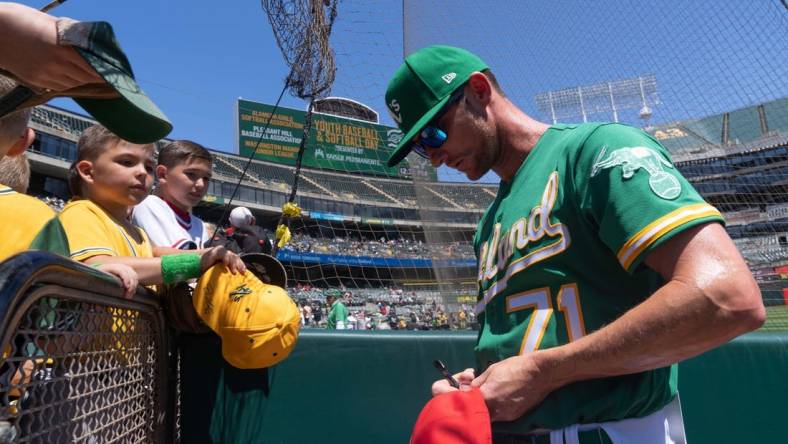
196, 58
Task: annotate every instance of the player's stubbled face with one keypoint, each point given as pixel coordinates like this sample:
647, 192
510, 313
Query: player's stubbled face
123, 174
470, 145
185, 184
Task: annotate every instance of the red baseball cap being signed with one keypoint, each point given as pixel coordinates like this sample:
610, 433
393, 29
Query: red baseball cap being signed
459, 417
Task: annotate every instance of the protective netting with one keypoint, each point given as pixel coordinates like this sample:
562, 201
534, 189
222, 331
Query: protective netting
706, 78
301, 29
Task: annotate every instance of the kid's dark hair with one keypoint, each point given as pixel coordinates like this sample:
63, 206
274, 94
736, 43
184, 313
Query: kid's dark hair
94, 141
180, 151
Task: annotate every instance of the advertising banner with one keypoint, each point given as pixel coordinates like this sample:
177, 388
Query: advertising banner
335, 143
288, 256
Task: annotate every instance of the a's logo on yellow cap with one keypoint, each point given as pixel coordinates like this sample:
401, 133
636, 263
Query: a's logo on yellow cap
239, 292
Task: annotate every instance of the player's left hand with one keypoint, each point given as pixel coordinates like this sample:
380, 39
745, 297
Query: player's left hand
513, 386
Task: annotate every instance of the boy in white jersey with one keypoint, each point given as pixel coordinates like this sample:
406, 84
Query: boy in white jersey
183, 171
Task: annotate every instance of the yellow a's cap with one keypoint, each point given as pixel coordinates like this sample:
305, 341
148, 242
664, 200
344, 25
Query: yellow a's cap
258, 323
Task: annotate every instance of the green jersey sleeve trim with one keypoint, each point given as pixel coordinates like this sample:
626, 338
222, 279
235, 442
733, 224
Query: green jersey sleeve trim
86, 253
52, 237
630, 253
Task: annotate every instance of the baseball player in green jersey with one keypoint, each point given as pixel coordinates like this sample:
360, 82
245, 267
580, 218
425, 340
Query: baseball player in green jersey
337, 315
599, 266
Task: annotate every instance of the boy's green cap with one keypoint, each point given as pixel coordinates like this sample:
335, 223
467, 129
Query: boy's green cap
422, 86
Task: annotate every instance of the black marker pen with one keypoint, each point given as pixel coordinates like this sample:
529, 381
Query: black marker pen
442, 368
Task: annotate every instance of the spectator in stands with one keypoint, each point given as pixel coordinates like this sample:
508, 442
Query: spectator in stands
109, 176
210, 228
249, 237
306, 313
15, 172
462, 319
52, 57
337, 316
351, 321
183, 171
317, 313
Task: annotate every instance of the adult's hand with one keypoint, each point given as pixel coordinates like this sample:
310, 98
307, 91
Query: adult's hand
464, 378
513, 386
30, 51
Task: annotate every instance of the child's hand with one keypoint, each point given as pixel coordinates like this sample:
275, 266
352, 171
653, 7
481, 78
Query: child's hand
127, 275
234, 263
215, 255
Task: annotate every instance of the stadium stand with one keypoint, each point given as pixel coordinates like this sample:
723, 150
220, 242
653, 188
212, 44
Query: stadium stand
404, 191
348, 187
464, 196
737, 160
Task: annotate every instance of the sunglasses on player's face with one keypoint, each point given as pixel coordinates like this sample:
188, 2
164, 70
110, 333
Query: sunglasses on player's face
432, 136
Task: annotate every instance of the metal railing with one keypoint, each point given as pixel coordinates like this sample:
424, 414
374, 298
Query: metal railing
80, 363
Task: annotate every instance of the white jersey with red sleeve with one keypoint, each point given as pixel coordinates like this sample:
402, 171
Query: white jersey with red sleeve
167, 226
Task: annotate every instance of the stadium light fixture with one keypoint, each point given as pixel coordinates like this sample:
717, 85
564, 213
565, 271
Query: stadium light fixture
639, 93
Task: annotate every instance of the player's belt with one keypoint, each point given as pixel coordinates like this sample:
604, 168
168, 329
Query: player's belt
593, 436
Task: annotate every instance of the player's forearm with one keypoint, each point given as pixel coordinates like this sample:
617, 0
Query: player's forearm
148, 268
677, 322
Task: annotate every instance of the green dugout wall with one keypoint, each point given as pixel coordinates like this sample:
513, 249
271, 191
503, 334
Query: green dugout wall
357, 387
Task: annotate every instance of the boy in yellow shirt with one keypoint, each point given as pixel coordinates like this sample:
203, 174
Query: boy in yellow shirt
109, 177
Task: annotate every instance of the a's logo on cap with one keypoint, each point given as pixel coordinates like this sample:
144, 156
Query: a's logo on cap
394, 111
449, 77
239, 292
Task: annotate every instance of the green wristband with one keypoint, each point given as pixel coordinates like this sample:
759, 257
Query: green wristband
180, 267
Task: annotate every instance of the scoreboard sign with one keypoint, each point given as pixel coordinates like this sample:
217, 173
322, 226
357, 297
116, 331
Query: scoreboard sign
335, 143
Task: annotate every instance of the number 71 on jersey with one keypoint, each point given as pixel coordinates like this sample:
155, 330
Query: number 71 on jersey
541, 302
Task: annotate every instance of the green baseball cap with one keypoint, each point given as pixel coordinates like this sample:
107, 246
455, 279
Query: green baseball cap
422, 86
120, 104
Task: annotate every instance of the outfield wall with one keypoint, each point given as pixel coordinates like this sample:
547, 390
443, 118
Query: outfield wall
106, 368
342, 387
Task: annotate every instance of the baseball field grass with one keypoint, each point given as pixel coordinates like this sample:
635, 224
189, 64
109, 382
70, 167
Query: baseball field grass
776, 318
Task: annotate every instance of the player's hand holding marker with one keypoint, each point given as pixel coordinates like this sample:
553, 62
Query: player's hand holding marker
514, 386
464, 378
